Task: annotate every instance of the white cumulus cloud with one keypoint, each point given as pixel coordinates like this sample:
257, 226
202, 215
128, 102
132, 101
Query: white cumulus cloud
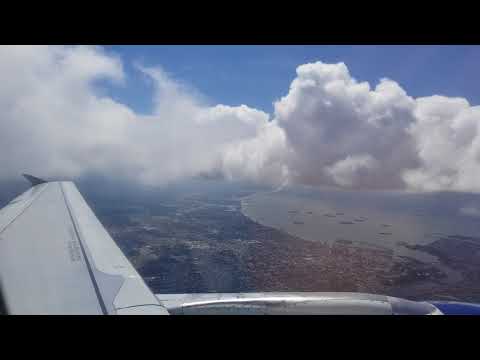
345, 133
447, 141
54, 123
328, 129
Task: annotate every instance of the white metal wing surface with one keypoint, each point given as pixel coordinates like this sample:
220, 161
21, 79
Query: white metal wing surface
57, 258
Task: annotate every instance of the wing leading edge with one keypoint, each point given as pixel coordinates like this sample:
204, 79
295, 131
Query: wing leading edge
57, 258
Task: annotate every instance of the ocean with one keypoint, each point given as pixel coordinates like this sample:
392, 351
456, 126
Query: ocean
374, 219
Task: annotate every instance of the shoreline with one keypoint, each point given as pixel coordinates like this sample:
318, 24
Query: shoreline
399, 250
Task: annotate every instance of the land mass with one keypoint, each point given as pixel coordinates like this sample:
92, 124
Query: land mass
205, 244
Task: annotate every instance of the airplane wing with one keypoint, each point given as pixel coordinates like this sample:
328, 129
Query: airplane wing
57, 258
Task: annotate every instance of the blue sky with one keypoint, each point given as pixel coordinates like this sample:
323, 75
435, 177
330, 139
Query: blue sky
258, 75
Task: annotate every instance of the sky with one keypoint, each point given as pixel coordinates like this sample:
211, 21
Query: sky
259, 75
366, 117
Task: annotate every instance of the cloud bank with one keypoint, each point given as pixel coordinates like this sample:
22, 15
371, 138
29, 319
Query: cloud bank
329, 129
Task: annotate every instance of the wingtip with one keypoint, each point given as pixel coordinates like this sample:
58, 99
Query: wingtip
34, 180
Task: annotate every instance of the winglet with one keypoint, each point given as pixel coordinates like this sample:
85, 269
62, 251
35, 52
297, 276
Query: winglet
34, 180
